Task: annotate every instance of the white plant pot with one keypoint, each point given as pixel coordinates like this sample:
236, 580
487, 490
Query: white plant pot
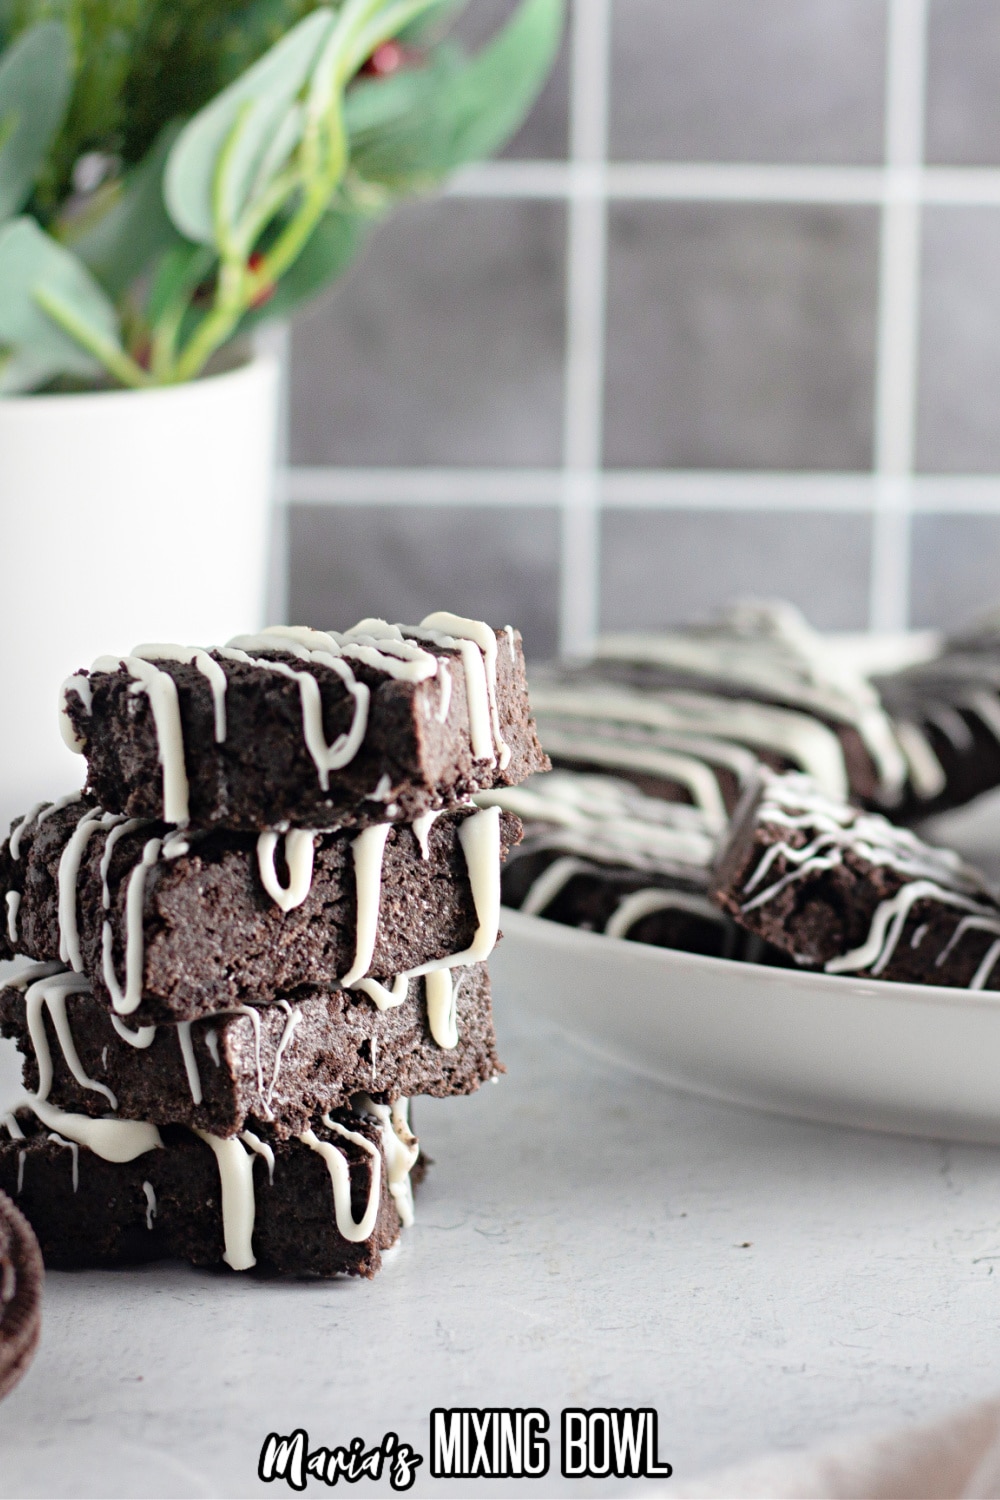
125, 516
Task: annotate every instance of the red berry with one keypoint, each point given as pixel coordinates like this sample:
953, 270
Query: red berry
386, 59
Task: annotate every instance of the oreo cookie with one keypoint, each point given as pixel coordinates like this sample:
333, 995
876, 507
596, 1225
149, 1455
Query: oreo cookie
21, 1277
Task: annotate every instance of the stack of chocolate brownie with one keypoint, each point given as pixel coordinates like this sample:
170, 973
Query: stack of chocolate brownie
258, 932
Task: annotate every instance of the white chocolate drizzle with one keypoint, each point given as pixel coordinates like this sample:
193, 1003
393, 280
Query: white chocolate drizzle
692, 770
250, 1011
608, 819
384, 997
14, 846
13, 900
141, 1038
367, 852
633, 908
74, 1149
340, 1179
126, 1000
68, 880
479, 837
150, 1192
442, 1000
117, 832
51, 991
111, 1139
444, 702
421, 830
292, 1019
186, 1044
212, 1044
300, 848
262, 1149
161, 692
239, 1209
208, 668
401, 1149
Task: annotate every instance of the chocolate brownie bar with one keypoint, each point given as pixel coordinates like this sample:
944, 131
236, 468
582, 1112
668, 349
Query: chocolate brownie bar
305, 727
21, 1278
847, 892
703, 772
600, 854
115, 1192
280, 1063
767, 653
170, 927
947, 714
780, 737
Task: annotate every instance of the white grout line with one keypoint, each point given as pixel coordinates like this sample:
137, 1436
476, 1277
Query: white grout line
371, 486
639, 489
896, 369
583, 417
731, 182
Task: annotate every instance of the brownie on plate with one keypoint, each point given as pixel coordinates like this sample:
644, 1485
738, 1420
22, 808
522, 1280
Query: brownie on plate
305, 727
847, 892
600, 854
115, 1192
766, 653
170, 927
947, 713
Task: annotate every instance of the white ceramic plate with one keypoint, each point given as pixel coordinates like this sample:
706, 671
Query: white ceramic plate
909, 1058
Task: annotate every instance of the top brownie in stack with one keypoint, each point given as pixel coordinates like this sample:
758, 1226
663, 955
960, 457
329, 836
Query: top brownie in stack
306, 728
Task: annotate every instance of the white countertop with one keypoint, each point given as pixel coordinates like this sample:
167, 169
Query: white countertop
585, 1238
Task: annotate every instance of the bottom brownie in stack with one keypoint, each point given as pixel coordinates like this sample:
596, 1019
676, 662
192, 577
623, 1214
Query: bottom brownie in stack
272, 1136
325, 1203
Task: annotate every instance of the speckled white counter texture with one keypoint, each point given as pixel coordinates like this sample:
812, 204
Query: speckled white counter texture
585, 1238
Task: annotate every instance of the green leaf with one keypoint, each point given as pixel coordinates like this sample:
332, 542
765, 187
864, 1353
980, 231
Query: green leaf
35, 82
177, 275
334, 243
135, 229
34, 266
469, 114
374, 105
241, 123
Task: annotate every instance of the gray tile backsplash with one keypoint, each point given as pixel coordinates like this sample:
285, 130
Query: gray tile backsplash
663, 567
958, 422
956, 569
402, 562
740, 336
963, 101
729, 80
442, 345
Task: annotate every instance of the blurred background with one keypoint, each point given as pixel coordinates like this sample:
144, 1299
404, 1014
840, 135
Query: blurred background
722, 320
